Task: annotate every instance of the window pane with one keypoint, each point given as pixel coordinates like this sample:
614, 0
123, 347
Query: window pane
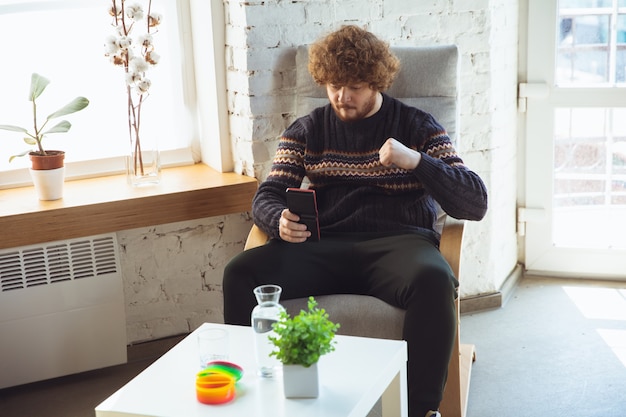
589, 189
583, 50
591, 43
64, 41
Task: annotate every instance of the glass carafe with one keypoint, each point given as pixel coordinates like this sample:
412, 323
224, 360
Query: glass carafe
265, 314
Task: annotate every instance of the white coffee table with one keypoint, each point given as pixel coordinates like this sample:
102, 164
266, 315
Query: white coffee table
352, 379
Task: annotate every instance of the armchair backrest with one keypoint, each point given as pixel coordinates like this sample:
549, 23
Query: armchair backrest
428, 80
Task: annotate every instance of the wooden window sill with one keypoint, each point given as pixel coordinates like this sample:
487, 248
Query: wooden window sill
103, 205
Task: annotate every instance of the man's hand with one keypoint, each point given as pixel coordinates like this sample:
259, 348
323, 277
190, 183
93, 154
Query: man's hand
290, 230
394, 153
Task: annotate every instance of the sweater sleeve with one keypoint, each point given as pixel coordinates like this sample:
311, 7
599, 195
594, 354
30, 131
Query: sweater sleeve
287, 171
459, 191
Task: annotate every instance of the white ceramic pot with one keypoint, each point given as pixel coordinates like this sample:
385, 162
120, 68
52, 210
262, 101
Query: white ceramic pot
48, 182
300, 382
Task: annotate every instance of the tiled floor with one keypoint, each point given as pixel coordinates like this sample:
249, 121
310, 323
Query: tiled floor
557, 348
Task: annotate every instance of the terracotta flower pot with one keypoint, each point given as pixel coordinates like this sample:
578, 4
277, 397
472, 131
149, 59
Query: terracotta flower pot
48, 174
51, 160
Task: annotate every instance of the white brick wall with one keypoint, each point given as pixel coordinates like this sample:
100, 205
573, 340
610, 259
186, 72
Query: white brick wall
486, 33
173, 273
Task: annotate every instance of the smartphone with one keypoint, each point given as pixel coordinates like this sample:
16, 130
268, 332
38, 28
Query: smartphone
302, 202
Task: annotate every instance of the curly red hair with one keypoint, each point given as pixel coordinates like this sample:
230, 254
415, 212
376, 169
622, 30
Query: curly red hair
352, 55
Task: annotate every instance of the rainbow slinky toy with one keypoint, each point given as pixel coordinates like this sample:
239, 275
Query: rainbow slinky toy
215, 384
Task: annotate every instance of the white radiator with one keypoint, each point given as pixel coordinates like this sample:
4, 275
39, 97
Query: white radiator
61, 309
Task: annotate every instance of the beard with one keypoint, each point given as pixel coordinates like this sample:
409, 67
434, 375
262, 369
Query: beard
352, 113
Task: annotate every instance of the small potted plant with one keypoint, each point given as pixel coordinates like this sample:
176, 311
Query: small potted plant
301, 341
47, 167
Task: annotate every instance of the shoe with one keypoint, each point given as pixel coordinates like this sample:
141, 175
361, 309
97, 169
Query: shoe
433, 414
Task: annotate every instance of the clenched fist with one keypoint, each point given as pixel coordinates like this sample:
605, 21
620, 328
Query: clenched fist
394, 153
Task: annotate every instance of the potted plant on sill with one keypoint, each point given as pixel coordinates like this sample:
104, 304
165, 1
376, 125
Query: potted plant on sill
47, 167
301, 341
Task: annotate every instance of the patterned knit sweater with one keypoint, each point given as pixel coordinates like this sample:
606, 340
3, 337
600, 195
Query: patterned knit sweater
355, 192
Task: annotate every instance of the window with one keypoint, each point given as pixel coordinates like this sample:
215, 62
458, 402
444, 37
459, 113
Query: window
592, 42
63, 40
589, 176
589, 142
575, 139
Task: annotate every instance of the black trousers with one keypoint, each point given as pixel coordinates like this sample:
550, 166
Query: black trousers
406, 271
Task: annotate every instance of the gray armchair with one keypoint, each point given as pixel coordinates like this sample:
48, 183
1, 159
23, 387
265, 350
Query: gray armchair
427, 80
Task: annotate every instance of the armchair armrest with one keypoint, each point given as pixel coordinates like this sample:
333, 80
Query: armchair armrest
451, 240
450, 246
256, 237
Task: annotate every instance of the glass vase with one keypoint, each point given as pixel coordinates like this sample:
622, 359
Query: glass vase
143, 164
264, 315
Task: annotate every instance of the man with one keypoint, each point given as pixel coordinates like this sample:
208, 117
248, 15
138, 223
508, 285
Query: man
378, 168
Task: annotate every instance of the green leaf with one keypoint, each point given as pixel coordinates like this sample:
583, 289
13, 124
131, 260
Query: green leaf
13, 128
61, 127
304, 338
19, 155
38, 83
73, 106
